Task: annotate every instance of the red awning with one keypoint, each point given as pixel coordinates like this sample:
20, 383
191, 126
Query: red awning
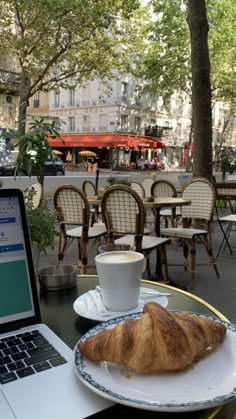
105, 140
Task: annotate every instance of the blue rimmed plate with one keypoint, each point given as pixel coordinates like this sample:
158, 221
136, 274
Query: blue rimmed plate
208, 383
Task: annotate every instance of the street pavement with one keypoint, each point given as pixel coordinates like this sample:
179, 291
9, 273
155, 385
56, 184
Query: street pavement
218, 292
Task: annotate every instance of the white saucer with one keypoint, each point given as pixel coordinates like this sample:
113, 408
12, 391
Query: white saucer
80, 307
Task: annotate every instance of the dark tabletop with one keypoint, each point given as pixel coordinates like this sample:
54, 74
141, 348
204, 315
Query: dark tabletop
57, 312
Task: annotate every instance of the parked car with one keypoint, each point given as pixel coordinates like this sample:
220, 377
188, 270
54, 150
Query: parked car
53, 167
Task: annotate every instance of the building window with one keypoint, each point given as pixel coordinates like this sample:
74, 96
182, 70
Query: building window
36, 100
137, 123
86, 123
180, 105
124, 91
72, 96
86, 95
124, 122
138, 98
178, 130
167, 124
103, 122
56, 99
71, 123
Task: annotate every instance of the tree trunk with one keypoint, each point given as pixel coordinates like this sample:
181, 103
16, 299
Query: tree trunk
23, 102
189, 157
201, 89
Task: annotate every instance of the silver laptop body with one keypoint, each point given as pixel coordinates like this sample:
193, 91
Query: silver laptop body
31, 386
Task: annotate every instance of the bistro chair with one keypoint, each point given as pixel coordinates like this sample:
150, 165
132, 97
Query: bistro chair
90, 190
150, 221
196, 224
147, 183
165, 188
72, 209
124, 216
138, 187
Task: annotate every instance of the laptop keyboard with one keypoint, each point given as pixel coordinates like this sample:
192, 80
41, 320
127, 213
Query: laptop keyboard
25, 354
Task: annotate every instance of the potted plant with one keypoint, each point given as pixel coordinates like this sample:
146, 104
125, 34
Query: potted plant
42, 224
34, 148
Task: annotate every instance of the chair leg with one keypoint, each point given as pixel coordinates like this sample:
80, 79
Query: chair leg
82, 256
193, 262
164, 264
185, 253
64, 243
210, 254
148, 266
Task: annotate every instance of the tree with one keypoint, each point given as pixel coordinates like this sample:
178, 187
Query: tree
163, 60
60, 42
201, 89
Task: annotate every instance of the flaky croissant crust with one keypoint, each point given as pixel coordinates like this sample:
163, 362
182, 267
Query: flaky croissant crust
158, 341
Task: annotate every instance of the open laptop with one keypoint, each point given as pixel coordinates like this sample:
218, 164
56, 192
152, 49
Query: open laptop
37, 377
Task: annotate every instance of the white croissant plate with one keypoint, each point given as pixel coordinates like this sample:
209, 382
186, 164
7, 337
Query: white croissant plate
80, 306
208, 383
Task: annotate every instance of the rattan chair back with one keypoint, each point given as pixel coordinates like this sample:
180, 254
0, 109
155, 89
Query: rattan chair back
163, 188
71, 205
138, 187
147, 183
202, 195
88, 188
123, 210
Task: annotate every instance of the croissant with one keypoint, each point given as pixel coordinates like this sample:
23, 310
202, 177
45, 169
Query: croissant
158, 341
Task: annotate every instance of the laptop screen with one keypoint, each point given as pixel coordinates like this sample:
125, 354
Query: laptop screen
18, 294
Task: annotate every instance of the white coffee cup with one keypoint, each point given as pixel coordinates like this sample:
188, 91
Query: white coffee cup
119, 276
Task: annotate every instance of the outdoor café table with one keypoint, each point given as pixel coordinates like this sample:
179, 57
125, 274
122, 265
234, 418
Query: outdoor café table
57, 312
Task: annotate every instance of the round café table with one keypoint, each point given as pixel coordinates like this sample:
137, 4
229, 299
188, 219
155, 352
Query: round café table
57, 312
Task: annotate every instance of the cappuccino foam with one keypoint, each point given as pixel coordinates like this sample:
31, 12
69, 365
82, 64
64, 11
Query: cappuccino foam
119, 257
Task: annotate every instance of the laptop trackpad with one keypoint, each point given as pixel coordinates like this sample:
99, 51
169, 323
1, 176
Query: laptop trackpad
5, 409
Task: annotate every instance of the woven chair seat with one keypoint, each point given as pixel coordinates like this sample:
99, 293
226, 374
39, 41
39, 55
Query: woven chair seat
93, 232
182, 233
148, 243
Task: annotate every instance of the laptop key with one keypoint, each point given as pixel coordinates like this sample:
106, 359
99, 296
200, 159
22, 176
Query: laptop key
3, 370
19, 355
58, 361
40, 341
5, 360
44, 356
16, 365
12, 350
8, 377
14, 342
25, 346
42, 366
25, 372
2, 345
39, 350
